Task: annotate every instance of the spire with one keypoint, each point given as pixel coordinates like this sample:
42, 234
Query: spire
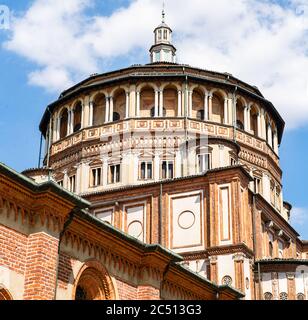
163, 13
163, 50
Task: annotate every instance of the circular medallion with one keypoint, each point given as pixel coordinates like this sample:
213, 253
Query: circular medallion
186, 220
135, 229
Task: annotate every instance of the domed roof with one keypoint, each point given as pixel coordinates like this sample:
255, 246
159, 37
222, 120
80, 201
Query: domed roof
163, 25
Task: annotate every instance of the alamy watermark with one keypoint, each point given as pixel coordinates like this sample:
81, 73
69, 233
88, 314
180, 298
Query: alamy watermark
4, 17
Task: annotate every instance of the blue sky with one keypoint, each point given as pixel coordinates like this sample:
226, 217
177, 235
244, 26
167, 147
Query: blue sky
112, 34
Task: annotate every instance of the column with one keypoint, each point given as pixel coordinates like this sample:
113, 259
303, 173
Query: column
72, 121
248, 119
111, 109
226, 117
263, 125
234, 112
58, 127
179, 103
230, 109
86, 112
127, 105
107, 110
91, 109
206, 107
269, 135
210, 107
55, 127
245, 118
161, 104
275, 146
132, 101
190, 103
156, 106
82, 115
259, 126
138, 104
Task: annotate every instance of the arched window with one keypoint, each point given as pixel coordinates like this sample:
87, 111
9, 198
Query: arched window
300, 296
153, 112
254, 115
119, 104
77, 117
240, 110
170, 101
200, 115
93, 283
116, 116
147, 101
217, 109
271, 248
99, 109
63, 124
239, 124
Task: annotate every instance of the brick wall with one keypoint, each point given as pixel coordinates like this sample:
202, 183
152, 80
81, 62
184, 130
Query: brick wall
65, 270
41, 262
126, 291
148, 293
13, 248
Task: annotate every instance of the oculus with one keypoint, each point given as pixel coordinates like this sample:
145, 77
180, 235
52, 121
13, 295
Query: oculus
135, 229
186, 220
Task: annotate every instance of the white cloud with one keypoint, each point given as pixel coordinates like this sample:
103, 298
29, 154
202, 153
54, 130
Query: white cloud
258, 41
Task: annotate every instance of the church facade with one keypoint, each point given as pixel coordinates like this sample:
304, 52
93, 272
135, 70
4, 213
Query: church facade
160, 181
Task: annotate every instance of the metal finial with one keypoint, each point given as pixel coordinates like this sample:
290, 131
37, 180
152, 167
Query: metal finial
163, 13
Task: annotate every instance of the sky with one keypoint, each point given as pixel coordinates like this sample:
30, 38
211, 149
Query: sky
48, 45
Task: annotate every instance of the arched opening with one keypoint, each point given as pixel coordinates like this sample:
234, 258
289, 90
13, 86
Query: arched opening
200, 115
147, 101
240, 110
198, 104
5, 295
119, 104
93, 283
99, 110
271, 248
170, 101
116, 116
217, 108
63, 123
77, 116
254, 114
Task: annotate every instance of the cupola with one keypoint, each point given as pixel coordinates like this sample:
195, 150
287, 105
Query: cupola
163, 50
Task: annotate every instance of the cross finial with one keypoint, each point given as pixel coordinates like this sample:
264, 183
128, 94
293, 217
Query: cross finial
163, 13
